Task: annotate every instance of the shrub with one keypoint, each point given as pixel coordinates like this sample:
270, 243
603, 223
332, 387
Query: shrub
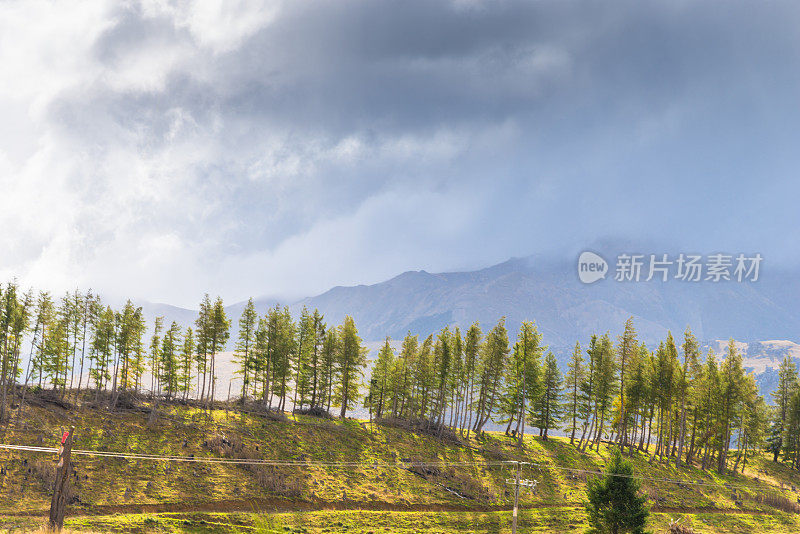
614, 504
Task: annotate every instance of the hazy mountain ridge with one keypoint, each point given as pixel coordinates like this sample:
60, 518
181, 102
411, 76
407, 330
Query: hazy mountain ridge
565, 310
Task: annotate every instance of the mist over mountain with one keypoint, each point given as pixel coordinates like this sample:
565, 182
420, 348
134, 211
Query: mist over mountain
550, 293
565, 310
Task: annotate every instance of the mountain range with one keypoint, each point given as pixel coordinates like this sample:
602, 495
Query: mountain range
762, 315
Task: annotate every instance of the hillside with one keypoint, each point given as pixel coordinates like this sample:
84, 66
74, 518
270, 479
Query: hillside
380, 474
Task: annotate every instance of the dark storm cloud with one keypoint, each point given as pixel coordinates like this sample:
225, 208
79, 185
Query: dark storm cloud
374, 137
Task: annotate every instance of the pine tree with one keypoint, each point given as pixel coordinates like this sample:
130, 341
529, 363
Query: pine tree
523, 378
204, 332
605, 384
792, 432
548, 407
628, 348
575, 377
492, 366
613, 501
472, 348
588, 394
708, 393
403, 380
101, 347
316, 343
169, 366
752, 423
155, 357
55, 354
731, 375
638, 394
14, 319
44, 318
187, 358
442, 368
422, 374
89, 302
352, 360
641, 398
787, 385
381, 380
75, 318
329, 370
129, 345
689, 371
281, 346
302, 359
666, 375
262, 367
457, 382
220, 332
244, 346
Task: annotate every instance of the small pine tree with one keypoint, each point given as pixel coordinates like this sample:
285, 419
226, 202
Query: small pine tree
774, 441
614, 505
548, 410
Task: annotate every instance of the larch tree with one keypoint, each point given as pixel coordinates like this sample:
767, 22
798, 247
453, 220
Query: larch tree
244, 346
403, 379
731, 380
493, 362
605, 385
548, 404
220, 332
627, 349
204, 333
282, 339
155, 357
523, 377
329, 370
352, 360
575, 377
186, 364
782, 396
302, 359
689, 370
261, 361
380, 380
316, 343
472, 348
169, 366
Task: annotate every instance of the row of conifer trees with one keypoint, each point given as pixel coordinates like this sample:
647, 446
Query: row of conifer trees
84, 350
669, 401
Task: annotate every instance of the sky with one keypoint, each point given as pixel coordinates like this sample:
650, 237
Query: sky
161, 150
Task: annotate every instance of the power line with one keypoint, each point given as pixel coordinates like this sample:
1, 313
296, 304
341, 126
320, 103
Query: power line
652, 479
401, 464
247, 461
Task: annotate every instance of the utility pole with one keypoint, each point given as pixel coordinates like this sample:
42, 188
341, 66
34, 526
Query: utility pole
517, 483
516, 500
524, 409
58, 505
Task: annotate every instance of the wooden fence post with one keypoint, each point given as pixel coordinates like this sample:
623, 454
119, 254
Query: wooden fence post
58, 505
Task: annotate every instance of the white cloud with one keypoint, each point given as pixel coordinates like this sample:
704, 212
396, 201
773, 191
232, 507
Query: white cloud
216, 25
163, 149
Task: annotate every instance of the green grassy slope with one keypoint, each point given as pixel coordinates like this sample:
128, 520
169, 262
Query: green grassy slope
377, 494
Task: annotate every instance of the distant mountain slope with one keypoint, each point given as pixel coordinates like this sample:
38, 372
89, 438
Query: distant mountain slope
564, 309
